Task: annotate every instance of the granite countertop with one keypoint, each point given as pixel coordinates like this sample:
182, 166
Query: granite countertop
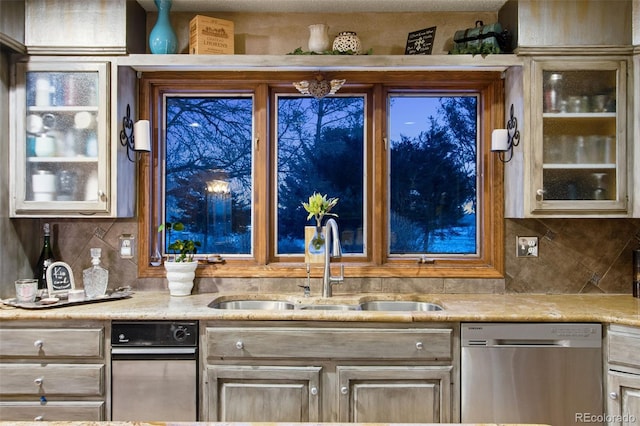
148, 305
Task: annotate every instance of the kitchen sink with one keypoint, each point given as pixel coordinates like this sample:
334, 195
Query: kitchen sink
399, 305
330, 307
277, 304
265, 305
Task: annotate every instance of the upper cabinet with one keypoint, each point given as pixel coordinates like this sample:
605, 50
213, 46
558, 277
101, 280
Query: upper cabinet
579, 118
87, 27
573, 102
65, 157
574, 161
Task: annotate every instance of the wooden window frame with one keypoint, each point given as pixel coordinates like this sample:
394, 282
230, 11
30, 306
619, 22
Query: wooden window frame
488, 263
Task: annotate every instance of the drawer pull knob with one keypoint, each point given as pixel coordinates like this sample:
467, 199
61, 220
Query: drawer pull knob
38, 344
344, 390
419, 346
239, 345
38, 418
38, 381
613, 395
314, 390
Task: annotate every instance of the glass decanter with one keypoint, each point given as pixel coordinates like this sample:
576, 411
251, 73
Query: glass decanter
95, 279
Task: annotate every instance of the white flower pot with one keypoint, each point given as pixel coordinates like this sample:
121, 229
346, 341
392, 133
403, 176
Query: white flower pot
180, 276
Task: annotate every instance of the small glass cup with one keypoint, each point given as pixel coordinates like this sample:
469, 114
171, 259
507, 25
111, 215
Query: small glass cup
26, 290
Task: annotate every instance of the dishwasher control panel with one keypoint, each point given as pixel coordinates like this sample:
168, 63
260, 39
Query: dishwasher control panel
531, 334
154, 333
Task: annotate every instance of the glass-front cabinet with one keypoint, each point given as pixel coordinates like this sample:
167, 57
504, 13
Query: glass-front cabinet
579, 131
60, 138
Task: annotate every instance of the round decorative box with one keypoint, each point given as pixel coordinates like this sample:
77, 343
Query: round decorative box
347, 42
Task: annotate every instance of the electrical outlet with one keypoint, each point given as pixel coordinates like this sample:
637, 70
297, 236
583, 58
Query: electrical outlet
526, 246
127, 246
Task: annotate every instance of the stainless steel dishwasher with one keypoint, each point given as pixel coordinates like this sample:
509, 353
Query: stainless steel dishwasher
531, 373
154, 370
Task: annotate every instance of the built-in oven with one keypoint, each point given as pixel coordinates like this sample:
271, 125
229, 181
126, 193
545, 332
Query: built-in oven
154, 370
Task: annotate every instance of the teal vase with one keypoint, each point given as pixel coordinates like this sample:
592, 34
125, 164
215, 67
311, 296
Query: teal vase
162, 38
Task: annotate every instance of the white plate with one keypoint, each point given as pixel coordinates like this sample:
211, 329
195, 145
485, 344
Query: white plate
49, 300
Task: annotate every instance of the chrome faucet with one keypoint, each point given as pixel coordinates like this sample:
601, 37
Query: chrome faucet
331, 249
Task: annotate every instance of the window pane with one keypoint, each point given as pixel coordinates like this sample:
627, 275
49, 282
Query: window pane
320, 148
433, 175
208, 171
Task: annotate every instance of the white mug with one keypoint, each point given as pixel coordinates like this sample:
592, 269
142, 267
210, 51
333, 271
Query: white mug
45, 146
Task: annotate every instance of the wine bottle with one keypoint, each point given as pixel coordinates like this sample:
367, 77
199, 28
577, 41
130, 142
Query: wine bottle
46, 258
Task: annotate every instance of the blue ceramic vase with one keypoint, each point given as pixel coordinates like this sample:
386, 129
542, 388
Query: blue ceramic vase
162, 38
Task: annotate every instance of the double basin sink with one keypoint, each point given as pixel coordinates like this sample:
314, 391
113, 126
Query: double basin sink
273, 304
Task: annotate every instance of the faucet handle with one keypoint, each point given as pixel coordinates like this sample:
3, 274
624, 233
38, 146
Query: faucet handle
306, 288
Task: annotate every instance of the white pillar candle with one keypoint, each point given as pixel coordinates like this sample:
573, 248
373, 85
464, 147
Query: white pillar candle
499, 140
142, 135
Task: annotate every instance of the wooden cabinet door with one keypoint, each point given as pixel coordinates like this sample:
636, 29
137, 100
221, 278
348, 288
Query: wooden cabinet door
623, 404
398, 394
244, 393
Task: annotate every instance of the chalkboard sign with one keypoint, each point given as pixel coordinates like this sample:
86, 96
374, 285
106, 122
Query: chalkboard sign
420, 42
59, 278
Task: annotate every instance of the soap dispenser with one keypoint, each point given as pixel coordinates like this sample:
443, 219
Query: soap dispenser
95, 278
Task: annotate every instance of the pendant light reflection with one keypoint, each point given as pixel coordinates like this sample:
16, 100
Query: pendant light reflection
318, 88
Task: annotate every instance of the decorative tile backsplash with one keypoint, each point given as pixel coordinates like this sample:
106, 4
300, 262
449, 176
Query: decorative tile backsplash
575, 256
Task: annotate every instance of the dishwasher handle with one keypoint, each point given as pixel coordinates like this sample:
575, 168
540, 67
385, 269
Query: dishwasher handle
530, 343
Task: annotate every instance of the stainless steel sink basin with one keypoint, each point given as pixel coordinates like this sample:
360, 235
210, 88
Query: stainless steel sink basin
330, 307
399, 305
265, 305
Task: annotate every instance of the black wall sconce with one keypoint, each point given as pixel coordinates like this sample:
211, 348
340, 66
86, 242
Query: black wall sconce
135, 137
503, 140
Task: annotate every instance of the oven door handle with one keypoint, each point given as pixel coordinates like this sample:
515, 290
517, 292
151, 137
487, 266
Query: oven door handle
153, 351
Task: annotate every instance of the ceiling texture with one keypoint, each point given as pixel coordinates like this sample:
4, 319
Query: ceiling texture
329, 6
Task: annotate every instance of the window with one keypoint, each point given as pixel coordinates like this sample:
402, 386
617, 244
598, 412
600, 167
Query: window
320, 147
208, 170
407, 154
433, 175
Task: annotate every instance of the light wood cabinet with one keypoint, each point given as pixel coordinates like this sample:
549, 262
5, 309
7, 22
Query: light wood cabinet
66, 158
52, 371
329, 373
394, 394
575, 128
623, 381
245, 393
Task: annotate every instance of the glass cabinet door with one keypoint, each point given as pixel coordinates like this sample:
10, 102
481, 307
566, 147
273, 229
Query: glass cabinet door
580, 159
60, 142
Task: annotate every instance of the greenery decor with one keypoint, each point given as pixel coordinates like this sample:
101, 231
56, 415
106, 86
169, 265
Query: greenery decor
299, 51
319, 206
183, 250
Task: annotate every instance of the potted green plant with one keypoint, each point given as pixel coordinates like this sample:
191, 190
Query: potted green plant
318, 207
181, 266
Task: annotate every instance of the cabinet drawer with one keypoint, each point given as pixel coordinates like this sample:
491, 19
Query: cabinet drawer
418, 344
52, 342
624, 346
52, 411
52, 379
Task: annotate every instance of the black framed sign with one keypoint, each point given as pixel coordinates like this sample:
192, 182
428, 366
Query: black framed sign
420, 42
59, 278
